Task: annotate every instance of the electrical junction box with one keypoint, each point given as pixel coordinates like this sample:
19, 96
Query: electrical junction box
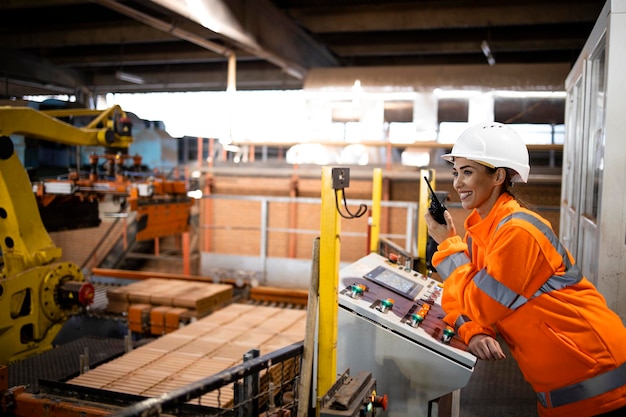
341, 178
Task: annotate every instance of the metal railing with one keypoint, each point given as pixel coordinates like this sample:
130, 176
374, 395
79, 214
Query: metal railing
263, 385
264, 201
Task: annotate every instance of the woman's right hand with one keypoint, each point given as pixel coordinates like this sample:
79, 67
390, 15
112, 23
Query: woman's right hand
440, 232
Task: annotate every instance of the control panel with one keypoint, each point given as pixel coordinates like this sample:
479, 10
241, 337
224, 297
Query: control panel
390, 323
402, 300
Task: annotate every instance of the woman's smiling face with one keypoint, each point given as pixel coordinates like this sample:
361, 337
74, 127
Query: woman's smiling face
477, 185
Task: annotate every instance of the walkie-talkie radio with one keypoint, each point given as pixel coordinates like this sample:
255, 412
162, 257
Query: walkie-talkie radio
436, 208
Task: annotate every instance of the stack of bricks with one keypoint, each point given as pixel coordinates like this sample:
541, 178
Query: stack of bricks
161, 305
201, 349
139, 317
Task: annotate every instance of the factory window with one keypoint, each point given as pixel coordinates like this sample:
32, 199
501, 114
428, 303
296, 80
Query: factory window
452, 110
594, 152
538, 110
345, 112
400, 111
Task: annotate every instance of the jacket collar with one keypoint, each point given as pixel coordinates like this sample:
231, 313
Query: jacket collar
482, 228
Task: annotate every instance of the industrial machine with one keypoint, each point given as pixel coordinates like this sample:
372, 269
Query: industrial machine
353, 397
38, 293
390, 324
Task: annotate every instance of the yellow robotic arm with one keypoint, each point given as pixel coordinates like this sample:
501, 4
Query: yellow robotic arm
108, 128
37, 293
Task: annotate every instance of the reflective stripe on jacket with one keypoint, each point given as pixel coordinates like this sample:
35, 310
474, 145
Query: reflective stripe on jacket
512, 273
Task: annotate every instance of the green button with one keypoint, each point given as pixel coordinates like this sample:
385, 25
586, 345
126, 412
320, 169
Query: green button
417, 318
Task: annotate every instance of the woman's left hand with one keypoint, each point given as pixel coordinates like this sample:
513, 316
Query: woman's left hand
486, 347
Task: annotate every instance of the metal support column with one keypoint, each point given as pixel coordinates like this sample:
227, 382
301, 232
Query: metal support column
377, 187
422, 230
330, 226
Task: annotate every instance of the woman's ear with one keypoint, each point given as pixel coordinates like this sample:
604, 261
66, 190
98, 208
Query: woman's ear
500, 175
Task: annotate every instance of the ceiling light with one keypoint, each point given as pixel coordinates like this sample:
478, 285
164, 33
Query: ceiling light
487, 52
131, 78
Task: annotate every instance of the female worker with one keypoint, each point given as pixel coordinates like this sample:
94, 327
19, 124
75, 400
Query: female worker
511, 274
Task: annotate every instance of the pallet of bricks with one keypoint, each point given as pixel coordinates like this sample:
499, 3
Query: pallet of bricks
159, 306
207, 346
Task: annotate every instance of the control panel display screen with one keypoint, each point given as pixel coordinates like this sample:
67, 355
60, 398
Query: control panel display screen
394, 281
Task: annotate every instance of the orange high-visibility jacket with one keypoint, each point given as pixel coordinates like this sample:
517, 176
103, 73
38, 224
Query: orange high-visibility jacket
511, 274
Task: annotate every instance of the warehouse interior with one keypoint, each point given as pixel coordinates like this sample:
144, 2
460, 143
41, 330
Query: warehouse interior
184, 275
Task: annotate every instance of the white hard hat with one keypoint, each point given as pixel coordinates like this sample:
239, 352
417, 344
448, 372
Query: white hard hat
493, 144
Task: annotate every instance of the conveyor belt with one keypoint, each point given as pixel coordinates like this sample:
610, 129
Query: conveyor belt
63, 362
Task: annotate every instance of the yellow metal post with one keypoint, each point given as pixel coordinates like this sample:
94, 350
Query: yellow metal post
422, 230
330, 227
377, 191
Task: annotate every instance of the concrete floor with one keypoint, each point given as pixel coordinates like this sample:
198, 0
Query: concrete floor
498, 389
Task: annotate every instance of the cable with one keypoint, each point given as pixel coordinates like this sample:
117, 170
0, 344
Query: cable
360, 212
